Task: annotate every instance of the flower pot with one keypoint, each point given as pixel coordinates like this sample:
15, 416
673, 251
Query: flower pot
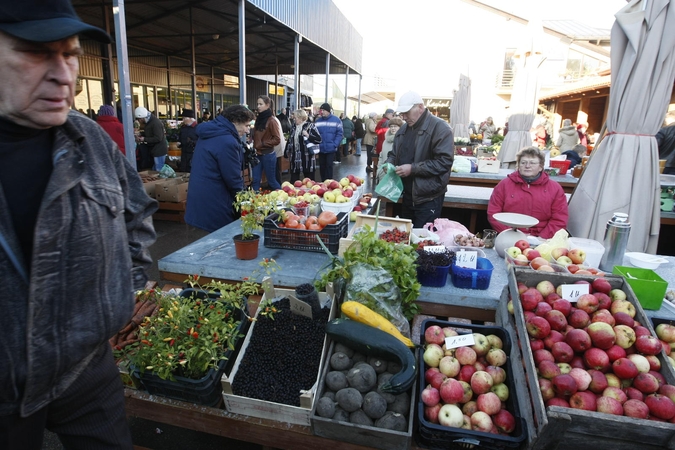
436, 277
246, 248
205, 391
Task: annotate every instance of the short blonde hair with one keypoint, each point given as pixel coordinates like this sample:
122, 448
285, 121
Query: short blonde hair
301, 113
531, 151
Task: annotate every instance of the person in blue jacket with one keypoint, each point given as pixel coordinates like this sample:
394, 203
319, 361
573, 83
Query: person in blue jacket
330, 129
216, 169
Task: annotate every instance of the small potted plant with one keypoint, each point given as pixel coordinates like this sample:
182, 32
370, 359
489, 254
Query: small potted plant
253, 206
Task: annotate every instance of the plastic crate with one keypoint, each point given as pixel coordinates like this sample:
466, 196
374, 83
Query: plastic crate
562, 165
305, 240
478, 278
437, 277
436, 436
649, 288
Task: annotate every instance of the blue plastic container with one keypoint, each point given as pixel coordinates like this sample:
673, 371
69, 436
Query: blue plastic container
433, 278
478, 278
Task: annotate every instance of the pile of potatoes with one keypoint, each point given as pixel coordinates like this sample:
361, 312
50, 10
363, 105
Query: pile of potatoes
352, 391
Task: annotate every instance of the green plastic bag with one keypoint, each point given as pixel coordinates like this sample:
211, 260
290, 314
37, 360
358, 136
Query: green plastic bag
390, 186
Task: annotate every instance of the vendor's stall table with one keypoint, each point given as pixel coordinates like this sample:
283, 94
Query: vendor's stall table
490, 180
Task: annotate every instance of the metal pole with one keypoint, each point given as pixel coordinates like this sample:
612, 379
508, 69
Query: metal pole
108, 73
359, 103
242, 52
276, 80
296, 71
123, 79
213, 94
346, 87
168, 87
327, 74
194, 68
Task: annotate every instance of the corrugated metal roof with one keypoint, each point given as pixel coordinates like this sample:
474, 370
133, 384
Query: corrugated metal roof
162, 27
576, 30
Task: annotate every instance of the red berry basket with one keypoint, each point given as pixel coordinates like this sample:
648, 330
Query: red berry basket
562, 165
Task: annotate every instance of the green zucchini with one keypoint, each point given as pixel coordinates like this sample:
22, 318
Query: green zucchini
371, 341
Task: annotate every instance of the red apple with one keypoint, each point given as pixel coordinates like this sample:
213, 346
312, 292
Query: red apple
641, 331
504, 421
498, 374
542, 355
648, 345
558, 252
616, 393
588, 303
668, 390
624, 368
636, 409
660, 406
552, 338
621, 318
579, 318
603, 315
522, 244
437, 379
654, 363
601, 285
562, 352
646, 383
578, 339
602, 335
631, 392
542, 308
546, 288
564, 385
536, 263
577, 255
431, 413
465, 355
556, 320
469, 408
582, 378
562, 305
596, 358
434, 335
530, 299
604, 301
489, 403
546, 388
598, 381
548, 369
465, 373
557, 401
481, 421
536, 344
451, 391
430, 396
609, 405
615, 352
583, 400
538, 327
429, 373
531, 253
481, 382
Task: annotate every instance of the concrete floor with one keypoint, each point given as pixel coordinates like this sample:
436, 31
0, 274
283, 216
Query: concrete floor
172, 236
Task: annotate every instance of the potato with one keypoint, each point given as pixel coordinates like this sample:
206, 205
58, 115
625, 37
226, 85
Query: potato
329, 394
340, 361
374, 405
401, 405
359, 417
381, 379
336, 381
325, 407
341, 415
341, 348
349, 399
363, 378
393, 366
357, 357
392, 421
380, 365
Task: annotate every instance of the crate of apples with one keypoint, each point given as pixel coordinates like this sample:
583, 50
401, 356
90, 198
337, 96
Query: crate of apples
572, 260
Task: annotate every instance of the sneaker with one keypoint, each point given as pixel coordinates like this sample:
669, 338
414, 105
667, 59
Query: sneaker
336, 162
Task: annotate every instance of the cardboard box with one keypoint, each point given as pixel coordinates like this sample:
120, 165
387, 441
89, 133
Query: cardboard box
149, 178
488, 166
269, 410
383, 224
568, 428
171, 190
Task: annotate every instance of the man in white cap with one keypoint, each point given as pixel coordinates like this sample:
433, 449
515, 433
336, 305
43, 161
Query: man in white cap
423, 154
153, 136
75, 229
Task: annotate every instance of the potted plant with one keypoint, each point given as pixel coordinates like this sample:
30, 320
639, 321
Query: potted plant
253, 206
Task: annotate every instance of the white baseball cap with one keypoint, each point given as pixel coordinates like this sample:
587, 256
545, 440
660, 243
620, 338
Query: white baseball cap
141, 113
408, 100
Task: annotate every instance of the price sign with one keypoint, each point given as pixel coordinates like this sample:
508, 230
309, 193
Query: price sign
462, 340
466, 259
434, 248
268, 287
300, 308
572, 292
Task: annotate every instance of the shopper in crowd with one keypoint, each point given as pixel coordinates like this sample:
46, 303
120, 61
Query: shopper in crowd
284, 120
188, 140
330, 128
541, 137
302, 141
581, 131
530, 191
216, 169
472, 127
665, 139
422, 154
370, 139
575, 155
348, 133
266, 137
153, 136
205, 117
393, 126
109, 122
567, 136
359, 133
488, 129
279, 149
381, 129
74, 236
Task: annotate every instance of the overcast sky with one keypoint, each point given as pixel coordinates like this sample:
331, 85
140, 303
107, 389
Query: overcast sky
422, 44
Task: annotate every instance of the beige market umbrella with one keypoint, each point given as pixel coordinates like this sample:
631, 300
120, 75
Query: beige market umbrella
524, 96
622, 174
460, 109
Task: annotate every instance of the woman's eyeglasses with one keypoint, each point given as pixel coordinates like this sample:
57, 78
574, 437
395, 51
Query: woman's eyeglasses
527, 163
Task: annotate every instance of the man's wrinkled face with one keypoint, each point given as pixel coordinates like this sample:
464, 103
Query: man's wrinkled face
37, 80
411, 117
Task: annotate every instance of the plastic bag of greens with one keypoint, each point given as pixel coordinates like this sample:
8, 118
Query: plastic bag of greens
166, 172
374, 287
390, 186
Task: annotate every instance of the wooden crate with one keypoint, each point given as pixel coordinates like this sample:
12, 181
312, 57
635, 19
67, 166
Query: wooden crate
171, 211
270, 410
568, 428
361, 434
383, 224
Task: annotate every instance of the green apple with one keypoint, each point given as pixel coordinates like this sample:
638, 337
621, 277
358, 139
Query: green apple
344, 182
329, 197
293, 200
513, 252
352, 216
341, 199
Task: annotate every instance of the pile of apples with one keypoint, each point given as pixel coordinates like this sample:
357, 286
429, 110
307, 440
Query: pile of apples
593, 355
466, 385
523, 255
333, 191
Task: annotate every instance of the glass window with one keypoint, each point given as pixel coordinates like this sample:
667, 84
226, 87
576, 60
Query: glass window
162, 103
81, 102
150, 98
137, 96
95, 88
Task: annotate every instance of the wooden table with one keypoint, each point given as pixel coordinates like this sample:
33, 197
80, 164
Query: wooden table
490, 180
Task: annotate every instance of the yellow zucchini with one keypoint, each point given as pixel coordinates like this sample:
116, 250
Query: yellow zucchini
361, 313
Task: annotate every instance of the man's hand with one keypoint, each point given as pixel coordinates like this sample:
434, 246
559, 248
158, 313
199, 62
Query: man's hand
404, 170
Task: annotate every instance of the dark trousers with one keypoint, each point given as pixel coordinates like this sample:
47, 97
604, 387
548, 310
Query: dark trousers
88, 415
278, 170
422, 213
326, 165
186, 161
369, 153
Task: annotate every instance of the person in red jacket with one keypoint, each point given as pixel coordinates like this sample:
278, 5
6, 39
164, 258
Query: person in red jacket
530, 191
109, 122
381, 129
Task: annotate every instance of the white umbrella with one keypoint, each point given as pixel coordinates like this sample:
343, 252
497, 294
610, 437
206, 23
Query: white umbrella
460, 108
623, 172
524, 96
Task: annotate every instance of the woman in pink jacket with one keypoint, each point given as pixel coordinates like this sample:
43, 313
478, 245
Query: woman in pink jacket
530, 191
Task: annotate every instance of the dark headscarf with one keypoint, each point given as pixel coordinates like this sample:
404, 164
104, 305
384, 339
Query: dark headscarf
261, 120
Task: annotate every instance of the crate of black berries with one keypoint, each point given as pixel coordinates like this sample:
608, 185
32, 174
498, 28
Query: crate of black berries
433, 264
276, 373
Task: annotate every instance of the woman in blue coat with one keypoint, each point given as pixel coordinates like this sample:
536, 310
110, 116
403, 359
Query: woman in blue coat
216, 169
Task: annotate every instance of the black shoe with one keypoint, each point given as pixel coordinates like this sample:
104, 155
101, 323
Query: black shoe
368, 169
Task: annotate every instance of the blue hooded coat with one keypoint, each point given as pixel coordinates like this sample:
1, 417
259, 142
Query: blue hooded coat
216, 175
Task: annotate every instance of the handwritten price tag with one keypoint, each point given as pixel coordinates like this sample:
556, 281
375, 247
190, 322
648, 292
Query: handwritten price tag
462, 340
434, 248
466, 259
572, 292
300, 308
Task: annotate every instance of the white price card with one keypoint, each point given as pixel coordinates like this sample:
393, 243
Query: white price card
572, 292
268, 288
462, 340
299, 307
466, 259
434, 248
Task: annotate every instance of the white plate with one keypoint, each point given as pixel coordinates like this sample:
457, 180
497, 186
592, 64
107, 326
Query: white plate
645, 260
516, 220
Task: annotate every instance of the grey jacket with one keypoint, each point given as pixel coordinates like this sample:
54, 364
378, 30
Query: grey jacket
434, 150
567, 138
90, 250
